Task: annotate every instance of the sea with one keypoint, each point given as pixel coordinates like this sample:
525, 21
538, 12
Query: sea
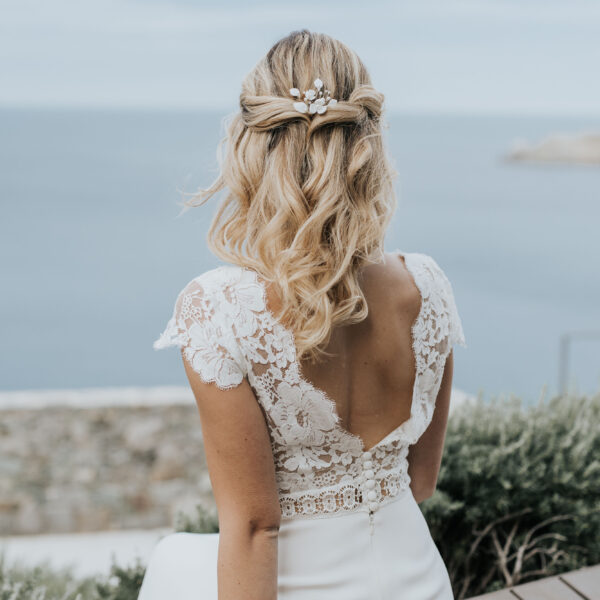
93, 248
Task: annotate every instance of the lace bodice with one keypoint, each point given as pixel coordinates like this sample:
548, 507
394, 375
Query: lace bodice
227, 333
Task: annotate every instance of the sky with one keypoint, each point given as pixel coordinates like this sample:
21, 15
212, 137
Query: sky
448, 56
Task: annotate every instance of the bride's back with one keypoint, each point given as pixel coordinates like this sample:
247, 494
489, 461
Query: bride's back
344, 423
371, 375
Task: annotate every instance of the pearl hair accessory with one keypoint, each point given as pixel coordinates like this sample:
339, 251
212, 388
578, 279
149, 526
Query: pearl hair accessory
315, 100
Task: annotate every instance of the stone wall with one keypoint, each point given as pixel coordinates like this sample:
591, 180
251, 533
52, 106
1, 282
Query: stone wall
75, 469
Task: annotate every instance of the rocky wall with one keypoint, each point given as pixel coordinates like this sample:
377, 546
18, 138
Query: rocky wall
75, 469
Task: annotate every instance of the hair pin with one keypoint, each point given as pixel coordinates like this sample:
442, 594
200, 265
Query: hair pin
315, 100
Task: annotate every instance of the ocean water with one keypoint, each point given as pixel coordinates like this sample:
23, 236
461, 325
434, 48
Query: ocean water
93, 253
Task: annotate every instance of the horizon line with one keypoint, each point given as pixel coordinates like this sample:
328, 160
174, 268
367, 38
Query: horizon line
225, 110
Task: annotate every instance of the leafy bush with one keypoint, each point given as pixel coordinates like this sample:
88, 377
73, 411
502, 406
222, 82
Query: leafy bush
204, 522
518, 498
518, 494
19, 582
122, 583
44, 583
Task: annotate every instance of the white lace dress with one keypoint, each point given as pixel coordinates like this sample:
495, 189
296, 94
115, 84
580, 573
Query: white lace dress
351, 529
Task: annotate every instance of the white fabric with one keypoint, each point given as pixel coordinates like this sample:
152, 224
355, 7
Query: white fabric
222, 323
388, 555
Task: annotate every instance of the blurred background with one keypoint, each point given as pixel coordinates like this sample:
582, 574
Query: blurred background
111, 109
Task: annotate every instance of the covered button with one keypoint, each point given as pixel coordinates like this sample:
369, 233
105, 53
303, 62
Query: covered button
369, 474
368, 464
367, 456
370, 484
373, 506
372, 495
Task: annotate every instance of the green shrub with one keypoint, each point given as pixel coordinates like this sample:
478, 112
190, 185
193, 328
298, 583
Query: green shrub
41, 582
203, 522
518, 498
122, 583
518, 494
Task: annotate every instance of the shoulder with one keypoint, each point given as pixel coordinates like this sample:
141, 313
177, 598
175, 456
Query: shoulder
435, 286
207, 321
227, 298
393, 283
225, 284
427, 272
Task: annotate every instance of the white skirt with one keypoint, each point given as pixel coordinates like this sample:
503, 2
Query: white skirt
342, 557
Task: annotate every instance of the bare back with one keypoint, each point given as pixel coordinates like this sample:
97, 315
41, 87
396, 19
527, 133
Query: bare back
371, 378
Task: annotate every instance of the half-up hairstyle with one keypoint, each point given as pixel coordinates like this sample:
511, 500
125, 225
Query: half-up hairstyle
308, 197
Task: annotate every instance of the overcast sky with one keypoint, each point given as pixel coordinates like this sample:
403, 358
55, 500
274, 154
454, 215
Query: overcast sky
524, 56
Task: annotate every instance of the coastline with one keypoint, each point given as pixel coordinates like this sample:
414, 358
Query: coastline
130, 396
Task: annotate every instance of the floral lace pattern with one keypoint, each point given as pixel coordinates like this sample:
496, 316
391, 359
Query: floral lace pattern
222, 323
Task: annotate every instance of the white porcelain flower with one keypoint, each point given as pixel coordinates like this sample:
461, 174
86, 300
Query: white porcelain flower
301, 107
316, 101
318, 106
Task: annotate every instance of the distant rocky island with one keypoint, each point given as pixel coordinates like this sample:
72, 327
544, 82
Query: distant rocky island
581, 149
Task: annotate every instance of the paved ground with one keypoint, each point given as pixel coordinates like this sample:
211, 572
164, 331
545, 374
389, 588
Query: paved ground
86, 553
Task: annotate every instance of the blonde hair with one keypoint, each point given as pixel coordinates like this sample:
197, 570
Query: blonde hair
308, 197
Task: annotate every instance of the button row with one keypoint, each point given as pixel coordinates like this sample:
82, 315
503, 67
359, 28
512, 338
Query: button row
370, 482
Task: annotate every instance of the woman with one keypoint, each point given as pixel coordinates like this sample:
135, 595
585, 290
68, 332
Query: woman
321, 365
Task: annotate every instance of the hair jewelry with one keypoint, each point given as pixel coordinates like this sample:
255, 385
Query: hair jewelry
315, 100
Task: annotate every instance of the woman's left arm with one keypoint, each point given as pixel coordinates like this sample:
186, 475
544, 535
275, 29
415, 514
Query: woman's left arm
425, 457
242, 473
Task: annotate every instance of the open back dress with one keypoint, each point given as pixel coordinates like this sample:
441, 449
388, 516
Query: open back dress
350, 526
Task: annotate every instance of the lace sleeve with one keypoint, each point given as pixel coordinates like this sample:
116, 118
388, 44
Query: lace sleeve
205, 335
455, 329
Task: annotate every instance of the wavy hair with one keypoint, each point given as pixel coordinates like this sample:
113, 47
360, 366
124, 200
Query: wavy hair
308, 197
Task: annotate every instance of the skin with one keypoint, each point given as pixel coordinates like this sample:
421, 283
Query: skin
242, 474
238, 447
